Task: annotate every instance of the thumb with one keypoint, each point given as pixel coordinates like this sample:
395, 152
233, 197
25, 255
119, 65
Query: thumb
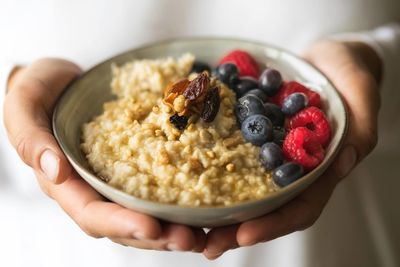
27, 116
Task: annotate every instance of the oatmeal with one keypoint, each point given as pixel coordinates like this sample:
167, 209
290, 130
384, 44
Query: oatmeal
136, 146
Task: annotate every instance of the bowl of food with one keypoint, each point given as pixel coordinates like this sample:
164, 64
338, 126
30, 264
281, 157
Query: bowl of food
201, 131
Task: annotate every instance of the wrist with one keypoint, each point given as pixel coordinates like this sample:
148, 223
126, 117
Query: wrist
368, 57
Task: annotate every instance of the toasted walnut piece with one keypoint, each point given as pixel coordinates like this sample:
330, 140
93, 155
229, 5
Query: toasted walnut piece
179, 104
230, 167
163, 157
158, 132
195, 164
210, 154
156, 109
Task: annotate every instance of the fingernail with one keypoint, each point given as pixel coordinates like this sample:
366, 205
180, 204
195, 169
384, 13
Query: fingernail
213, 254
139, 236
346, 161
173, 247
49, 163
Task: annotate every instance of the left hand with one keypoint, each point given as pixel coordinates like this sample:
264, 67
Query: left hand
354, 68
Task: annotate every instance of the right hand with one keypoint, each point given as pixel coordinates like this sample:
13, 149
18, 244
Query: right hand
28, 108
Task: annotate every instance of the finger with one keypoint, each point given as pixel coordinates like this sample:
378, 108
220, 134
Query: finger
200, 237
171, 234
97, 217
179, 238
27, 114
298, 214
220, 240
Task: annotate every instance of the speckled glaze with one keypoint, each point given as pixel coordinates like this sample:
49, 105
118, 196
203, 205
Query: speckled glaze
84, 98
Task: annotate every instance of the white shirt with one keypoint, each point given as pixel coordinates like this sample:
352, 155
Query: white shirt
359, 226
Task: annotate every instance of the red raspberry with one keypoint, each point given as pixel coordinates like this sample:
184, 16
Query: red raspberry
246, 64
302, 146
315, 120
289, 88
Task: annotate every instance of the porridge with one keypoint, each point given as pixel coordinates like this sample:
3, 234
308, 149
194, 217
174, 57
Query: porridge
135, 145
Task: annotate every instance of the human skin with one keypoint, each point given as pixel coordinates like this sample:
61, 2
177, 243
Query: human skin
354, 68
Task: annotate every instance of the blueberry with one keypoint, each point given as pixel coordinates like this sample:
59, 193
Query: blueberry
274, 113
259, 93
214, 72
287, 173
293, 103
257, 129
226, 72
248, 105
199, 66
271, 156
270, 81
244, 85
279, 135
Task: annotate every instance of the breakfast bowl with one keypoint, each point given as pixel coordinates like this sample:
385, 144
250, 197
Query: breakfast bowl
90, 96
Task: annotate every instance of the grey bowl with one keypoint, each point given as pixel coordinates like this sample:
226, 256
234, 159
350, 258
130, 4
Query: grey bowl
84, 99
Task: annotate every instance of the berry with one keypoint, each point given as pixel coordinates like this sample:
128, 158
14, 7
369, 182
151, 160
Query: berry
279, 135
199, 67
274, 113
257, 129
293, 103
270, 81
294, 87
258, 93
227, 72
246, 64
287, 173
315, 120
244, 85
248, 105
271, 156
303, 147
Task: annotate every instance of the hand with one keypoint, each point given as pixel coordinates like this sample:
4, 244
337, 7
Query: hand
32, 94
354, 68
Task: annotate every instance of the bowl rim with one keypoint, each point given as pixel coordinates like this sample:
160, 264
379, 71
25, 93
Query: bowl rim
312, 176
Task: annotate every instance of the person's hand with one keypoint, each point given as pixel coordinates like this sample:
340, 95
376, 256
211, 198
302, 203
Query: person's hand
354, 69
32, 94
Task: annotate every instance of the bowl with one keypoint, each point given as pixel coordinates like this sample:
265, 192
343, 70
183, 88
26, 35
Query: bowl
84, 99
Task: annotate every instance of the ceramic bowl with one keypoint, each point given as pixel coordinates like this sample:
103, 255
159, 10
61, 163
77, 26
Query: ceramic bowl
84, 99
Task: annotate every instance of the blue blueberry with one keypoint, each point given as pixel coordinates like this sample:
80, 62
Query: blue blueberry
248, 105
199, 66
279, 135
293, 103
257, 129
271, 156
243, 85
227, 72
274, 113
287, 173
270, 81
259, 93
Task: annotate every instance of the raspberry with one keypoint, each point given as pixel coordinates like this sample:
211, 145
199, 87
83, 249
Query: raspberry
246, 64
315, 120
302, 146
289, 88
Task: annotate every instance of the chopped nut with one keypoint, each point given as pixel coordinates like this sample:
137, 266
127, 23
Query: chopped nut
195, 164
191, 127
156, 109
163, 157
158, 132
179, 104
167, 109
230, 167
210, 154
